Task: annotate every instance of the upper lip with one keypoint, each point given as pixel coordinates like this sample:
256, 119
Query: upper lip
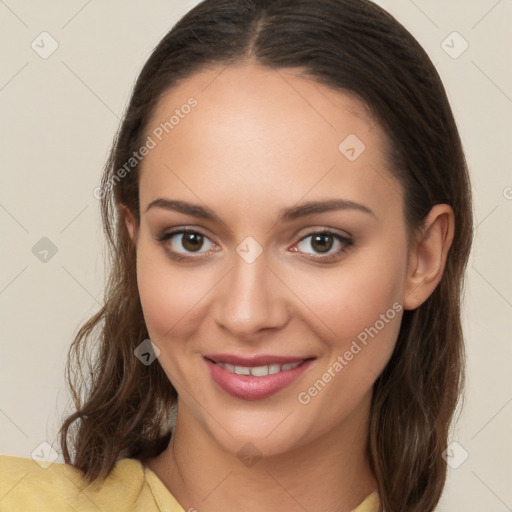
252, 361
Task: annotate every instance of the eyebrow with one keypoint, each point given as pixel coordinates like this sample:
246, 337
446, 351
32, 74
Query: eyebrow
285, 215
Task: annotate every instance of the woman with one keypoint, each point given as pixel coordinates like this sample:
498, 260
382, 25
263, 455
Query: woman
289, 212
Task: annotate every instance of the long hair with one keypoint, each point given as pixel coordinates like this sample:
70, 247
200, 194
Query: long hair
123, 408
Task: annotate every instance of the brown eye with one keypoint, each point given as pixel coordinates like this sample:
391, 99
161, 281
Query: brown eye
192, 241
182, 243
322, 242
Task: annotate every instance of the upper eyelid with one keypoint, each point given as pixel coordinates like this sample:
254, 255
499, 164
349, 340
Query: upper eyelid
330, 231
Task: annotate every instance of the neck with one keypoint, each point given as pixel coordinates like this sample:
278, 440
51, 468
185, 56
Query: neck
330, 473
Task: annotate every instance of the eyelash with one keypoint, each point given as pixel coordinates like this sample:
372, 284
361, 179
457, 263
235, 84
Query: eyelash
346, 242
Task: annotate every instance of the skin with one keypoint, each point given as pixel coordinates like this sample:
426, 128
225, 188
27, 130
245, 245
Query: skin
260, 141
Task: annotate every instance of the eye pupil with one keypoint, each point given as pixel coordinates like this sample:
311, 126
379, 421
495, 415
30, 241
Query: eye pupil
323, 242
192, 241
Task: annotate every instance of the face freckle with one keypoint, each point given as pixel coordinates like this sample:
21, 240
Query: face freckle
260, 143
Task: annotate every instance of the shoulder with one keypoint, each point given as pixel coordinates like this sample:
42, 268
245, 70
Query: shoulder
370, 504
26, 485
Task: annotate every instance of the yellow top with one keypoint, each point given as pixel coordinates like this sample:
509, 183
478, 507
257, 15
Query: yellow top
26, 486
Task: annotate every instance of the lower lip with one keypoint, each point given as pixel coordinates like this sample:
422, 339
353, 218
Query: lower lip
249, 387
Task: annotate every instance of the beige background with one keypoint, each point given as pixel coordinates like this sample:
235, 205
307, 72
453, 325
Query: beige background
59, 117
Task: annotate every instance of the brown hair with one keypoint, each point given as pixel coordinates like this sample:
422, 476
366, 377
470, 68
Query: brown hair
122, 406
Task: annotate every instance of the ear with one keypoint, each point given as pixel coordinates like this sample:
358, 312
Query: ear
427, 256
130, 222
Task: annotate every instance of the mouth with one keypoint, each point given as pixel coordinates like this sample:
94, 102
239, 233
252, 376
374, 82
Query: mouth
255, 377
259, 371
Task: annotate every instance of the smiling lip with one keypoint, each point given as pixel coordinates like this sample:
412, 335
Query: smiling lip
252, 387
254, 360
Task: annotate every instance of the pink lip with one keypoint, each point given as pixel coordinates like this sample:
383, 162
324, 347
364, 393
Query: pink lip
249, 387
261, 360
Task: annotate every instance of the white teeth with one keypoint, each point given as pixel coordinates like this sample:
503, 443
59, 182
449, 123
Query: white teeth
274, 368
259, 371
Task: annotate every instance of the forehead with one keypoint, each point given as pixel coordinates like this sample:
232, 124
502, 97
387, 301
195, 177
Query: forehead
260, 133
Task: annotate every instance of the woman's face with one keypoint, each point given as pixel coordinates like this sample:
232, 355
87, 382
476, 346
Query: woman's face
296, 254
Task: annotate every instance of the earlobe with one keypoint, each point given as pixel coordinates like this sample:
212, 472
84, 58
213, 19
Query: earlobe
427, 258
129, 221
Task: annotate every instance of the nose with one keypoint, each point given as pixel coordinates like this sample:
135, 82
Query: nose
252, 300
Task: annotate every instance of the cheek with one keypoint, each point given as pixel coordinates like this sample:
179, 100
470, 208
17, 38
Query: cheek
352, 297
360, 306
169, 297
365, 330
